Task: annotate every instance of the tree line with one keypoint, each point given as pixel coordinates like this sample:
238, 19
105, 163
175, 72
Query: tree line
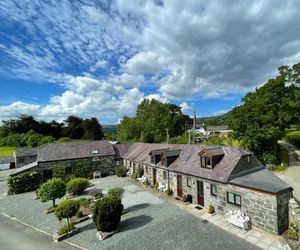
27, 131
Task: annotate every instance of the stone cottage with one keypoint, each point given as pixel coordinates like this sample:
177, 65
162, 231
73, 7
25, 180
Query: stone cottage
228, 178
104, 155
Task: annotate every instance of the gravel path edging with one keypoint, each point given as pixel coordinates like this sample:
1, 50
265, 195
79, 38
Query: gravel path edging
39, 230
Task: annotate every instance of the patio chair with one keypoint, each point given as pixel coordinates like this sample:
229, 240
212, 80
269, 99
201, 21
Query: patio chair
141, 179
128, 173
238, 218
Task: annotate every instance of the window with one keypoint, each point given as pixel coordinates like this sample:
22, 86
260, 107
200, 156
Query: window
165, 175
205, 162
117, 163
213, 189
188, 182
234, 199
152, 159
146, 169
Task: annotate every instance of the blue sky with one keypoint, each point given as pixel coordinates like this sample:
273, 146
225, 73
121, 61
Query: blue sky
101, 58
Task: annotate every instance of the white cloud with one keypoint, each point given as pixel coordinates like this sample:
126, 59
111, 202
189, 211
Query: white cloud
106, 55
185, 107
17, 108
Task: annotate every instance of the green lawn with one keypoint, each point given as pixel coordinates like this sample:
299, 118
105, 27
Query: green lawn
6, 151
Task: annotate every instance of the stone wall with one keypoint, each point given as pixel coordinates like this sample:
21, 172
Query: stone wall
104, 164
267, 211
22, 161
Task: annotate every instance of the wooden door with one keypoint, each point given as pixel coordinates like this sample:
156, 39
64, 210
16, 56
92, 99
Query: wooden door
154, 176
200, 193
179, 185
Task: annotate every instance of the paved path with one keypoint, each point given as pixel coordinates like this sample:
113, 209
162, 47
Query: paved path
292, 174
15, 236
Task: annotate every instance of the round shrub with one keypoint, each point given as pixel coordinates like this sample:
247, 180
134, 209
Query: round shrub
169, 191
76, 186
52, 189
121, 171
66, 210
211, 209
107, 213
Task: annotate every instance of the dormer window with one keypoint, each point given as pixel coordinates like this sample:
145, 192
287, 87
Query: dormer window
205, 162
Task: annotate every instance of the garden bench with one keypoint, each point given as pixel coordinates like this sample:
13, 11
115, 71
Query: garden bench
238, 218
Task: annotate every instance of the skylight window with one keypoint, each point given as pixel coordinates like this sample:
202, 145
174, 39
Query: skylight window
94, 152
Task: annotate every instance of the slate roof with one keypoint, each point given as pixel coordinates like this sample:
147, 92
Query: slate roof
7, 160
74, 150
21, 152
24, 168
213, 151
263, 180
121, 149
189, 162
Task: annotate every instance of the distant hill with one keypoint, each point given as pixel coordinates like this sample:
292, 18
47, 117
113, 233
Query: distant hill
109, 129
214, 120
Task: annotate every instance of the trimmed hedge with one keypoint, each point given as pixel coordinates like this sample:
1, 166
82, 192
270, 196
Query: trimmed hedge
25, 182
76, 186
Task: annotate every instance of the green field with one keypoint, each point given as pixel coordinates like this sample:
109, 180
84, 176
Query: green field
6, 151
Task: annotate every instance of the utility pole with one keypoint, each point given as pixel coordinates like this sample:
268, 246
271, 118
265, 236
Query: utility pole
189, 136
194, 127
167, 130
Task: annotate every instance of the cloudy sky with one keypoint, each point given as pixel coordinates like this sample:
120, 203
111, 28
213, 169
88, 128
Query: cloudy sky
101, 58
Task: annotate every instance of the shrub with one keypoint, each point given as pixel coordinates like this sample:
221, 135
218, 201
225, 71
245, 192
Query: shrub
156, 186
25, 182
147, 182
96, 193
169, 191
184, 198
84, 202
107, 213
116, 192
138, 173
82, 168
58, 170
292, 234
293, 138
211, 209
52, 189
63, 139
67, 209
76, 186
65, 229
79, 214
121, 171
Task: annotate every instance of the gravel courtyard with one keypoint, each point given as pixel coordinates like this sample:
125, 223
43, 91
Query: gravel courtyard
151, 222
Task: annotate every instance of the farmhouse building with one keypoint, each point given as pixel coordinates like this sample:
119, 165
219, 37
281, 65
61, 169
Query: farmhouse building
104, 156
228, 178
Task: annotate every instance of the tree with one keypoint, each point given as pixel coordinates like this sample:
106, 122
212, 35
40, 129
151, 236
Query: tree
74, 129
151, 121
264, 114
51, 190
92, 129
66, 210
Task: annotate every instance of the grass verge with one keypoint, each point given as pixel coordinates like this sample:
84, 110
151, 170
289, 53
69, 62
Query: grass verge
6, 151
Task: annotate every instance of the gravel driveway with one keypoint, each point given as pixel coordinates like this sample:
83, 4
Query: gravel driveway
151, 223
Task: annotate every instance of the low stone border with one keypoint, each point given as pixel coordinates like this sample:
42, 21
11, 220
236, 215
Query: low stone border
104, 235
58, 238
82, 219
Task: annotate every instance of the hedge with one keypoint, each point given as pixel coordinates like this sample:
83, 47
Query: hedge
293, 138
24, 182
